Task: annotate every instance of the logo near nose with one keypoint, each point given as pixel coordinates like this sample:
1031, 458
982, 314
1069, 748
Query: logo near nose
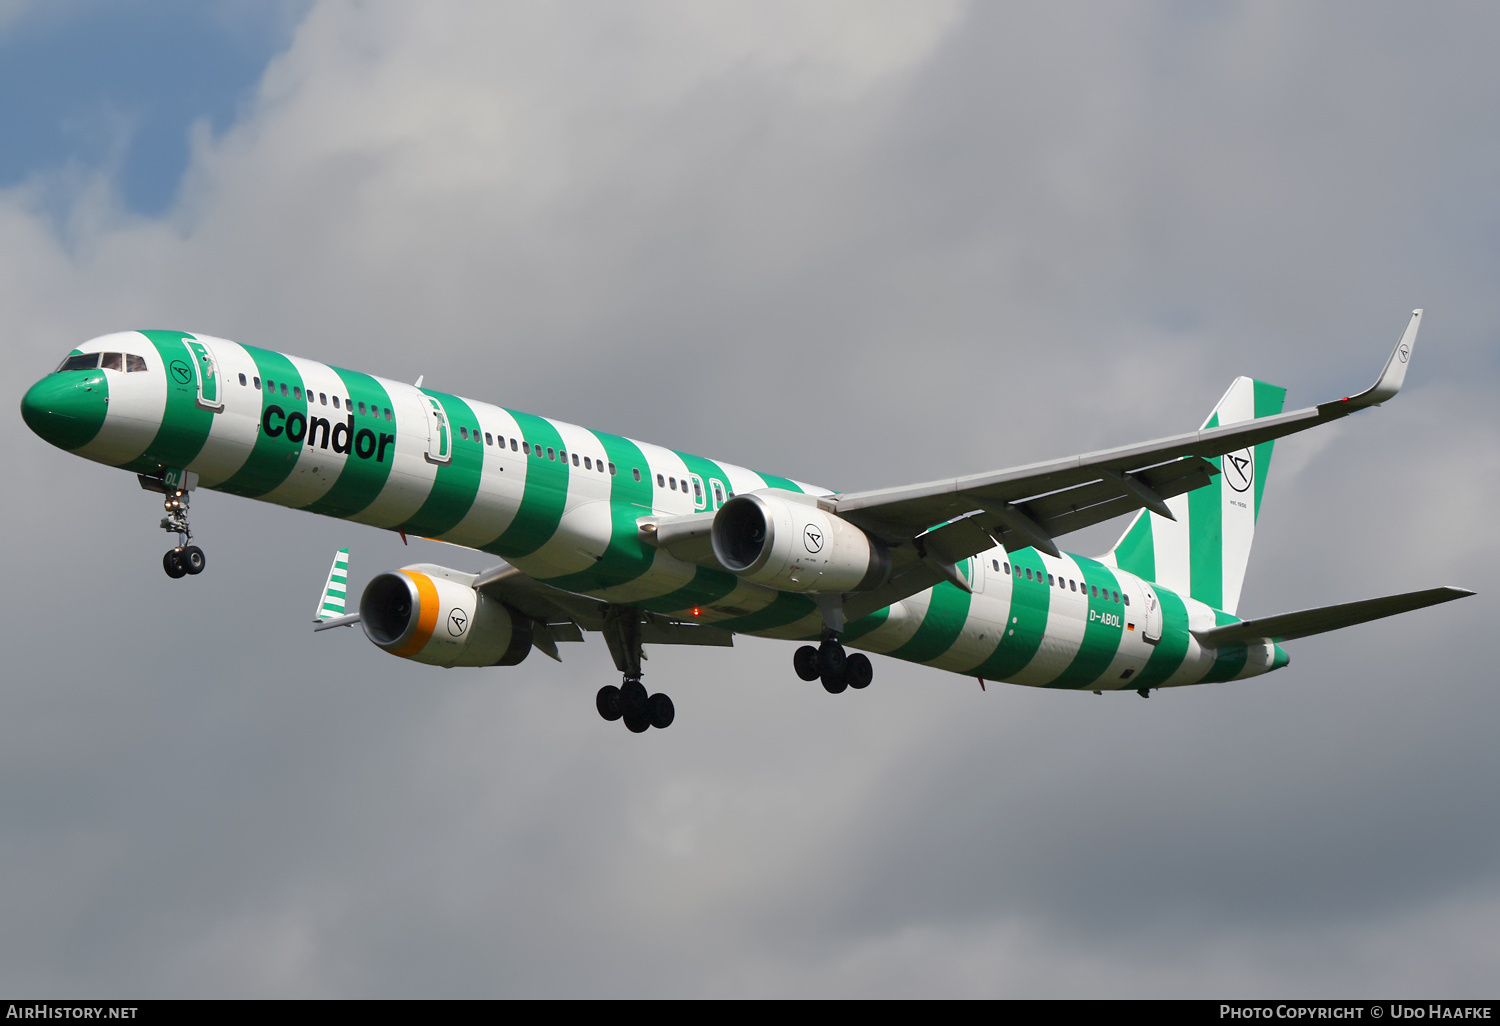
182, 372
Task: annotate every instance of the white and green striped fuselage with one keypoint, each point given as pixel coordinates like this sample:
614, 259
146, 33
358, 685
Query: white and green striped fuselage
564, 503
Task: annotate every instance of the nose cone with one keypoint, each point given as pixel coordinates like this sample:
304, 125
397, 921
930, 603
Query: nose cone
67, 409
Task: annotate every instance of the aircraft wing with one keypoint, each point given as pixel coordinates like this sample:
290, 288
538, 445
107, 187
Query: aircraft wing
559, 615
1031, 505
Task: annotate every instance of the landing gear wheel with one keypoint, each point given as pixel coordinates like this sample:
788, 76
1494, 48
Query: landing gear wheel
661, 711
833, 683
633, 699
608, 702
831, 659
858, 672
193, 560
638, 723
173, 564
805, 662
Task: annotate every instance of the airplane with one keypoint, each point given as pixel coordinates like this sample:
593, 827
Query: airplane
596, 532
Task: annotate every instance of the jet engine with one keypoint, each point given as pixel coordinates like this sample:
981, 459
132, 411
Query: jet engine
418, 614
791, 546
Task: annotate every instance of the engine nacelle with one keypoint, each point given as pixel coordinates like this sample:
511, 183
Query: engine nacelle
426, 617
790, 546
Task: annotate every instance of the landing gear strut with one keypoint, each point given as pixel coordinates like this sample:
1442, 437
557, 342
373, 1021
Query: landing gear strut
829, 663
184, 559
630, 701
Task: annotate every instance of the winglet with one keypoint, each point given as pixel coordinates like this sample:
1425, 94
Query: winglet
331, 604
1391, 378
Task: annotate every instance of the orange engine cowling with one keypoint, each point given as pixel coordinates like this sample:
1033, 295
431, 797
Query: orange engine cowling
417, 614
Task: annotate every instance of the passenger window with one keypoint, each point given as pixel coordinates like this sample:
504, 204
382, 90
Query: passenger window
1050, 581
137, 363
255, 379
672, 483
361, 409
551, 455
526, 448
697, 491
718, 493
463, 433
1116, 595
323, 398
588, 464
661, 480
1028, 573
1126, 598
387, 413
296, 391
1007, 568
488, 439
244, 380
512, 445
335, 398
575, 459
1072, 584
1094, 590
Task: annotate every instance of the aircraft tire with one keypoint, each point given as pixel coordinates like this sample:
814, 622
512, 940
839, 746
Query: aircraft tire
608, 702
805, 662
638, 723
662, 711
833, 683
831, 659
172, 564
858, 672
633, 699
193, 560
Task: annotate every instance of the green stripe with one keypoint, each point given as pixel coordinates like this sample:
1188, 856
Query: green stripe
947, 610
184, 424
1136, 552
271, 459
1228, 661
1206, 536
362, 479
1027, 622
1101, 640
785, 608
707, 470
1168, 653
706, 588
457, 481
626, 557
544, 496
1269, 400
772, 481
857, 629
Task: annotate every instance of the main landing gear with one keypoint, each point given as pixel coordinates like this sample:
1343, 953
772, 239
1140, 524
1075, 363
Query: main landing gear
835, 668
629, 701
184, 559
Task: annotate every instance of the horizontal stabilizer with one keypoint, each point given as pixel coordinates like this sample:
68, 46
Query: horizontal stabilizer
1301, 624
338, 621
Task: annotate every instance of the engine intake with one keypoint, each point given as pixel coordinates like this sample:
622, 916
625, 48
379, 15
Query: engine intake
791, 546
430, 619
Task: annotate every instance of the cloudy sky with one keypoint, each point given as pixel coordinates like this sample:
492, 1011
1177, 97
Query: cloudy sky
860, 244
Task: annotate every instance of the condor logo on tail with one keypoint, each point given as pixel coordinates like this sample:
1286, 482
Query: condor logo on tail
341, 436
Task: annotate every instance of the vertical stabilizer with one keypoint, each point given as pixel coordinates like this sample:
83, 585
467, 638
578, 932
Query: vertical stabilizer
1204, 552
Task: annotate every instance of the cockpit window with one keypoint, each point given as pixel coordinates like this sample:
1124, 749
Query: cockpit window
80, 361
110, 361
134, 363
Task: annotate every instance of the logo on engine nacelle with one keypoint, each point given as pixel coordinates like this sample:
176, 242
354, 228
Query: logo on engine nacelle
457, 622
812, 538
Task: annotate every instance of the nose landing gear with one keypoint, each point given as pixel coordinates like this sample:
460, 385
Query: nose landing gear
185, 559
